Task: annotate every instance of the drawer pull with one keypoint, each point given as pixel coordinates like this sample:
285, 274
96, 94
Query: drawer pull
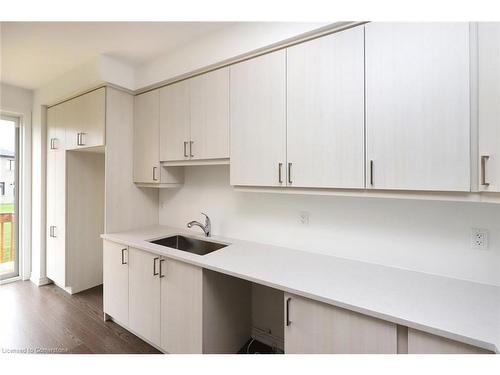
288, 321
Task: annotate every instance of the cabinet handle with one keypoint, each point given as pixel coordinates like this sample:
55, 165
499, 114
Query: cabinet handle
484, 158
371, 172
79, 139
154, 266
289, 173
191, 148
52, 231
123, 257
185, 151
154, 174
288, 321
280, 178
161, 269
52, 143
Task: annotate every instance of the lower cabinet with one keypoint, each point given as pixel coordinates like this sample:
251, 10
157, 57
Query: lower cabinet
313, 327
181, 307
425, 343
144, 295
178, 307
115, 277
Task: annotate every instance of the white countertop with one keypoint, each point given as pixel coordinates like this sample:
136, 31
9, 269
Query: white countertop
460, 310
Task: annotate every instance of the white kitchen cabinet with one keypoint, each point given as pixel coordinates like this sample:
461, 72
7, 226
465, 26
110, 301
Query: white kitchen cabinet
325, 111
115, 274
146, 132
425, 343
313, 327
181, 307
417, 106
209, 115
174, 122
147, 169
258, 121
86, 120
56, 193
144, 295
489, 105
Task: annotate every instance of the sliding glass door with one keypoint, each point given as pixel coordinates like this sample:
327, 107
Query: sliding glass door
9, 201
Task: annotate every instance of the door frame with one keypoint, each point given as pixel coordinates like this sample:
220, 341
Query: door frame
18, 254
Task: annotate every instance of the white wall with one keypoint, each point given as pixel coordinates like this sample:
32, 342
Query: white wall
428, 236
218, 46
19, 102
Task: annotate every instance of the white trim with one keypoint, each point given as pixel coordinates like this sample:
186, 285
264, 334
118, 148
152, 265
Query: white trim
41, 281
10, 280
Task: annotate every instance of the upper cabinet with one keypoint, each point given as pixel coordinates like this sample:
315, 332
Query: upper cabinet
209, 109
174, 122
85, 126
146, 143
489, 106
325, 111
147, 168
258, 121
194, 118
417, 106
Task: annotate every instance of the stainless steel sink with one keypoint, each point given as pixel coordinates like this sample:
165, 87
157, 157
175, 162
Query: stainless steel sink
191, 245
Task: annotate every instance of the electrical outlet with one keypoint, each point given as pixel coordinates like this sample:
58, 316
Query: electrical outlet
479, 239
304, 217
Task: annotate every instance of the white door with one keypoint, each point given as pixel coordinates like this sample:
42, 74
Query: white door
209, 107
313, 327
146, 133
144, 295
417, 106
174, 122
258, 121
325, 111
115, 277
53, 120
73, 121
56, 201
489, 106
93, 116
181, 307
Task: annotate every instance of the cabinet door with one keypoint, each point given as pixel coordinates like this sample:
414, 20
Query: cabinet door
53, 118
313, 327
417, 106
56, 203
181, 307
258, 121
489, 106
325, 120
209, 105
93, 117
115, 277
73, 119
144, 295
425, 343
174, 122
146, 132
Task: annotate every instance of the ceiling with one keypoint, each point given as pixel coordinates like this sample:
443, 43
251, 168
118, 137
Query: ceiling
34, 53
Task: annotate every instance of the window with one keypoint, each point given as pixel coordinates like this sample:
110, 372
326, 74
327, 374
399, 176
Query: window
2, 188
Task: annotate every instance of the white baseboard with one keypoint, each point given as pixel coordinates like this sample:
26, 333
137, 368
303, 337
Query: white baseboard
39, 281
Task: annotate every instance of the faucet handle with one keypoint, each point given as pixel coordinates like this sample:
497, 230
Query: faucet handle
207, 219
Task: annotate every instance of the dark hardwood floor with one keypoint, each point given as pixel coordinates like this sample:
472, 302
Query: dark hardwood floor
47, 319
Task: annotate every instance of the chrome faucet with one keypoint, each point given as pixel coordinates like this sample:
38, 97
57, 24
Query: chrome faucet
207, 228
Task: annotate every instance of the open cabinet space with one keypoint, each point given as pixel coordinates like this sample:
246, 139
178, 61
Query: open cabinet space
85, 219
